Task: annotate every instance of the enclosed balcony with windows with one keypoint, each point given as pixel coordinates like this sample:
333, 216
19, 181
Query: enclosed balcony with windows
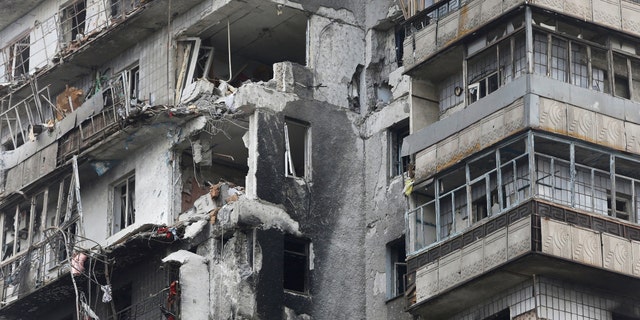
536, 204
562, 49
568, 173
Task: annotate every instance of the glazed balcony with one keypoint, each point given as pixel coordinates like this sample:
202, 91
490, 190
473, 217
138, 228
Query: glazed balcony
531, 240
446, 23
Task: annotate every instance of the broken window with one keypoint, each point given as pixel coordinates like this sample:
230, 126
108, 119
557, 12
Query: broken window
295, 264
72, 21
133, 79
396, 268
397, 133
194, 61
483, 74
297, 156
124, 204
17, 58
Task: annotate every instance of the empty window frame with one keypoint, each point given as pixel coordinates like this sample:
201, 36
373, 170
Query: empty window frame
194, 61
396, 134
124, 203
396, 268
295, 270
72, 21
297, 155
16, 57
133, 79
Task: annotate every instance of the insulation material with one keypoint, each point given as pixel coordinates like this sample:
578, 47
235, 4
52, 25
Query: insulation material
69, 100
194, 300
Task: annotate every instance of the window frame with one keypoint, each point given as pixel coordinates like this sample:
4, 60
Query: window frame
289, 161
306, 254
73, 21
395, 136
396, 260
11, 56
116, 203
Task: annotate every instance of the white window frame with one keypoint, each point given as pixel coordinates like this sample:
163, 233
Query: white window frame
117, 197
289, 168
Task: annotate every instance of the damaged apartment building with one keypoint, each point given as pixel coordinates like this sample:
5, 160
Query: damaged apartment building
202, 159
524, 202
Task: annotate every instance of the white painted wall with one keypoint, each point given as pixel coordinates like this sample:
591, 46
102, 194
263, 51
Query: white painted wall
153, 188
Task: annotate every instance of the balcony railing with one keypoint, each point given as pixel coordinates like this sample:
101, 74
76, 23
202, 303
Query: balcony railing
43, 263
417, 18
568, 173
52, 38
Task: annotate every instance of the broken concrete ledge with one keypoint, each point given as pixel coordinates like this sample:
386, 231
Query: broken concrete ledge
254, 213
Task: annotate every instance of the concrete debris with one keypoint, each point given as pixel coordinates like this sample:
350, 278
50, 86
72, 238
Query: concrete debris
192, 230
256, 213
290, 314
184, 257
204, 95
196, 90
204, 204
194, 293
69, 100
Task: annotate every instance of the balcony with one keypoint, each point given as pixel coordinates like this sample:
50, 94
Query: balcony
447, 23
88, 34
534, 239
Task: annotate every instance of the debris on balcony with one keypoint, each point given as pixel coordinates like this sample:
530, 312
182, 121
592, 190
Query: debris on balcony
69, 100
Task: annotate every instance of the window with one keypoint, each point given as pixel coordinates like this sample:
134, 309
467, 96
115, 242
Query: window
297, 156
295, 265
133, 76
73, 21
483, 74
195, 63
124, 204
397, 133
396, 268
622, 207
17, 64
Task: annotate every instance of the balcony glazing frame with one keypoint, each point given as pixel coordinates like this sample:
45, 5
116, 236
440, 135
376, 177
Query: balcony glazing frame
604, 185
